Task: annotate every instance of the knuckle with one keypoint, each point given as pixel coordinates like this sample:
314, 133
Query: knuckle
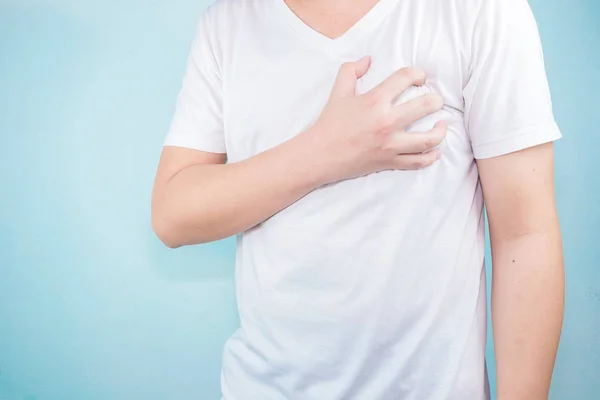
426, 104
439, 131
381, 141
372, 99
423, 161
441, 137
428, 144
406, 72
418, 164
417, 75
385, 123
413, 74
442, 131
432, 102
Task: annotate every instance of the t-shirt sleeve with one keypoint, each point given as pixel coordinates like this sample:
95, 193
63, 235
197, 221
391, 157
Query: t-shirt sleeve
507, 98
198, 119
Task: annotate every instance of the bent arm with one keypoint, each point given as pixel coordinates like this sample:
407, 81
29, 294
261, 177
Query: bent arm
528, 275
198, 199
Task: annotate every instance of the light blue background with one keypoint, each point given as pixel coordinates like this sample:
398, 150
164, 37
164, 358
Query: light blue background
92, 306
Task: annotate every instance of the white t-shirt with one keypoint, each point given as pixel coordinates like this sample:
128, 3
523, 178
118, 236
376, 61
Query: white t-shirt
371, 288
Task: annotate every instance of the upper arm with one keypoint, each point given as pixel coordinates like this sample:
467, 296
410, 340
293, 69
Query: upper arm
509, 118
196, 133
197, 122
175, 159
507, 98
518, 190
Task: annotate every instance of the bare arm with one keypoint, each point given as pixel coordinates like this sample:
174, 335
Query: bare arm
197, 198
528, 275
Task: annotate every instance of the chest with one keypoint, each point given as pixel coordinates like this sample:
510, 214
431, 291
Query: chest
278, 79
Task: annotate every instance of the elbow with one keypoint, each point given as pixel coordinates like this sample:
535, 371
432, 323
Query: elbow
166, 232
174, 235
175, 229
169, 242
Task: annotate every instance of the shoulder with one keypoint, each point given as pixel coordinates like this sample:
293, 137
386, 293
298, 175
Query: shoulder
468, 12
457, 17
225, 18
478, 9
493, 20
232, 10
224, 22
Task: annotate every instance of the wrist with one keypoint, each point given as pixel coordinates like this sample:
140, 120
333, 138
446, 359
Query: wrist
310, 156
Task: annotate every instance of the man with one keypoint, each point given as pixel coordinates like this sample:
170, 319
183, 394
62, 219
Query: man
361, 138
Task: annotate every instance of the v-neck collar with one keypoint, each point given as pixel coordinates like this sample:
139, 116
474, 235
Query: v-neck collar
336, 46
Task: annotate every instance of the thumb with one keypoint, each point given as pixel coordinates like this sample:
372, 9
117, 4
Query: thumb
348, 76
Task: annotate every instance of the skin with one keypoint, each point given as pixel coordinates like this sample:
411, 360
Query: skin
528, 273
197, 198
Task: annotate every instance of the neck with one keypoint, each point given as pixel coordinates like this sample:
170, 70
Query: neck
332, 7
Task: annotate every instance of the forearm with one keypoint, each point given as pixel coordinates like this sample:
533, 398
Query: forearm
197, 199
204, 203
527, 311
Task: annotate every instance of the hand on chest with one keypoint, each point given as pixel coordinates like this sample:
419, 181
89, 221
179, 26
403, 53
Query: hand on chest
281, 89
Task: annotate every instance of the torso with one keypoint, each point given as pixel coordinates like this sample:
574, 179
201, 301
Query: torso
370, 288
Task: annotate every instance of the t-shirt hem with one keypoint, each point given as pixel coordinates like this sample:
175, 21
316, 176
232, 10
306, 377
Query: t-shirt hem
525, 139
180, 139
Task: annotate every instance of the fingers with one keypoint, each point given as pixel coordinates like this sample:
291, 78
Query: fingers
397, 83
362, 66
416, 161
419, 142
348, 76
413, 110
